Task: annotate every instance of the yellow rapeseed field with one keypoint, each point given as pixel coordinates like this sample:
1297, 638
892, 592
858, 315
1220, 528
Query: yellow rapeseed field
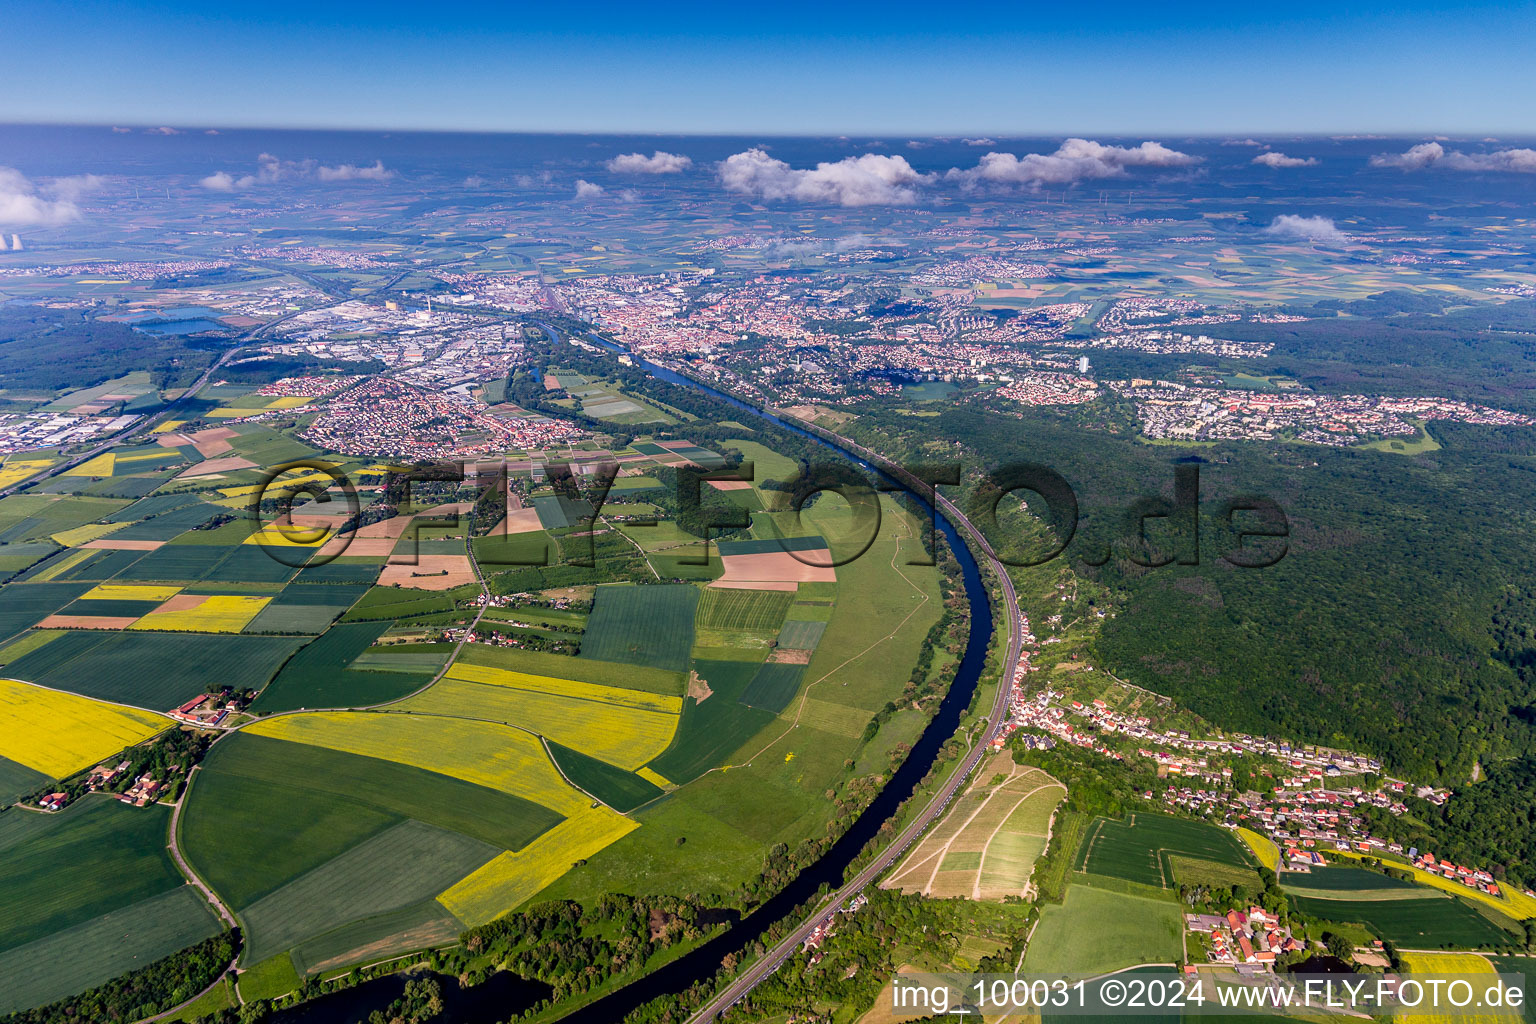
19, 469
655, 778
129, 592
59, 734
218, 613
81, 534
1448, 964
1263, 848
299, 535
484, 753
623, 736
289, 402
568, 688
513, 878
101, 465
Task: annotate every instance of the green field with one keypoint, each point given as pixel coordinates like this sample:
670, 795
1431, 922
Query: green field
266, 811
104, 947
619, 789
398, 603
1344, 879
774, 686
1140, 848
1429, 923
587, 670
318, 676
305, 608
401, 866
642, 625
427, 923
273, 977
727, 618
1093, 931
61, 870
715, 728
152, 670
17, 780
22, 605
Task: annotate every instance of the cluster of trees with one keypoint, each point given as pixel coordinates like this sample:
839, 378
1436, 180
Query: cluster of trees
171, 754
1387, 627
53, 349
573, 949
166, 983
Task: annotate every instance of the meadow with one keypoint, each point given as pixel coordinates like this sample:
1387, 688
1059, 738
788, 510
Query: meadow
1093, 931
1139, 848
418, 926
266, 811
58, 734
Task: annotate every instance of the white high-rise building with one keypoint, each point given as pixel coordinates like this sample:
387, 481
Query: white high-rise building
1082, 364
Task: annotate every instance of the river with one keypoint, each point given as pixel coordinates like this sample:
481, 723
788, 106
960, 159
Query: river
702, 963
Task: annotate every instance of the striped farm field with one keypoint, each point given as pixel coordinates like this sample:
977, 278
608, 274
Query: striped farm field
513, 878
618, 734
986, 845
409, 862
204, 613
58, 733
1139, 848
485, 753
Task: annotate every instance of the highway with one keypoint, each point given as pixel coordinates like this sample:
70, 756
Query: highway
770, 962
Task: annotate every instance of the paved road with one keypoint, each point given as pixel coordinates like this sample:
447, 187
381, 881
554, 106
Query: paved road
770, 962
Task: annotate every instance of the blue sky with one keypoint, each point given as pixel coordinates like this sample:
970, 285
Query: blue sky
796, 68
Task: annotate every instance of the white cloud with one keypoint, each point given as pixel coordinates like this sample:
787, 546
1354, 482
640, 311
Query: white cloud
917, 144
271, 169
1075, 160
162, 130
349, 172
587, 190
1307, 229
869, 180
1281, 160
629, 195
121, 131
21, 206
1245, 142
74, 186
1422, 155
657, 163
979, 142
474, 181
1432, 154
